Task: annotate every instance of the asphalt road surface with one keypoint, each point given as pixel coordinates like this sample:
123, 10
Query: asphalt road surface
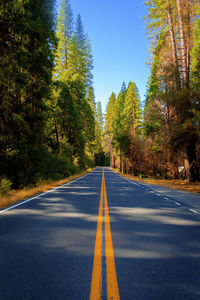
101, 237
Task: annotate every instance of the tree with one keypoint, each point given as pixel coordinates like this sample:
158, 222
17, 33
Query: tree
123, 88
171, 25
26, 72
81, 61
132, 111
99, 129
109, 118
64, 31
91, 99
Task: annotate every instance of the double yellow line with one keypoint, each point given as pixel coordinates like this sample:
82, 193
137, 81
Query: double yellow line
111, 276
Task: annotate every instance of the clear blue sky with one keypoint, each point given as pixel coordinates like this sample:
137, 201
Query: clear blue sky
119, 45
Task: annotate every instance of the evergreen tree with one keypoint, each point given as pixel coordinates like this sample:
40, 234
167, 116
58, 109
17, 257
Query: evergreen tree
195, 55
109, 118
132, 111
26, 72
99, 136
64, 33
80, 58
170, 109
91, 99
99, 128
123, 88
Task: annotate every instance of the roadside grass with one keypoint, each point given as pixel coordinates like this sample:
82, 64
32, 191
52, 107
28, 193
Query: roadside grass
178, 184
19, 195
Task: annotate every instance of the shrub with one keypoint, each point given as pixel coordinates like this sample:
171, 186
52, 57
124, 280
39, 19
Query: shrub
5, 186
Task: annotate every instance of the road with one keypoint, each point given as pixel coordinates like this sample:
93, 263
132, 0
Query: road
101, 237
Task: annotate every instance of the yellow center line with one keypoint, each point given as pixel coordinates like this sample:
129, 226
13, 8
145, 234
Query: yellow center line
112, 285
96, 284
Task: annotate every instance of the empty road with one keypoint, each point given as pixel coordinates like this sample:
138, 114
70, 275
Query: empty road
101, 237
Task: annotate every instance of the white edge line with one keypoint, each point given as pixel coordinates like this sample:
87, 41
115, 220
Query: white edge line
166, 198
193, 210
134, 183
129, 180
158, 194
177, 203
49, 191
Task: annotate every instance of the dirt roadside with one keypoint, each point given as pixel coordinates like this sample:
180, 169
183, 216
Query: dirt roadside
18, 195
172, 183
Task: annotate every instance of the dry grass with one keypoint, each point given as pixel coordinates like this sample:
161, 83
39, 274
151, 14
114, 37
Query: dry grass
177, 184
19, 195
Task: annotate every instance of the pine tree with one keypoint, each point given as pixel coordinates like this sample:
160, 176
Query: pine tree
80, 58
64, 33
132, 111
123, 88
169, 109
99, 129
91, 99
109, 118
26, 73
195, 55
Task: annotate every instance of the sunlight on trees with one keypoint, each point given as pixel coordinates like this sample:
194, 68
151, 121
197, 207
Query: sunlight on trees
51, 126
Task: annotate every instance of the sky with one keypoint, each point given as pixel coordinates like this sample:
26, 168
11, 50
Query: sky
116, 31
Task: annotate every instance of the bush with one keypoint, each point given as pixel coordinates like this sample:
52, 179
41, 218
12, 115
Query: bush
54, 166
5, 186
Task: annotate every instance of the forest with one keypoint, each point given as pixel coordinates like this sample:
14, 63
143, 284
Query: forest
163, 139
50, 123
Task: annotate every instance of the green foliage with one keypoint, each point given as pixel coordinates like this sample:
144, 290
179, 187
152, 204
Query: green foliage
55, 166
123, 88
110, 111
132, 112
26, 69
72, 98
64, 32
195, 55
171, 115
47, 124
99, 129
5, 186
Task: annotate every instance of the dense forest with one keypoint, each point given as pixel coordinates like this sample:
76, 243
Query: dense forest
50, 124
164, 139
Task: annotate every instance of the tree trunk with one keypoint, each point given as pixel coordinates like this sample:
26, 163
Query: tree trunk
120, 161
125, 170
191, 169
187, 169
174, 49
57, 136
183, 46
188, 41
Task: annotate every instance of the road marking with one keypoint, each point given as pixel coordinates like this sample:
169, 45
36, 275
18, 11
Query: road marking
196, 212
49, 191
158, 194
129, 180
166, 198
111, 276
177, 203
134, 183
152, 192
112, 285
96, 283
